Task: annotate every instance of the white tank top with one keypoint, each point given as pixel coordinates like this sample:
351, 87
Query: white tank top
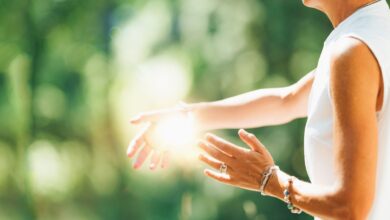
371, 25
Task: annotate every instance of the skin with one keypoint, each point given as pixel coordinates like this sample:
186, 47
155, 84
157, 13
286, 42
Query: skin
356, 93
253, 109
336, 10
357, 96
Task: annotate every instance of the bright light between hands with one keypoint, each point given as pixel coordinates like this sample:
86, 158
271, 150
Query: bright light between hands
177, 134
175, 131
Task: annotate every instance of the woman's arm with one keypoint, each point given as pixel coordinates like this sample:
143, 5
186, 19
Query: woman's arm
258, 108
355, 88
254, 109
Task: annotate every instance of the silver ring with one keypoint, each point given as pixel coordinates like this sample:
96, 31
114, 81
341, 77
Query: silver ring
223, 168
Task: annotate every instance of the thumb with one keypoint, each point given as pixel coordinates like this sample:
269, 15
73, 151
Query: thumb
137, 119
251, 140
153, 116
145, 117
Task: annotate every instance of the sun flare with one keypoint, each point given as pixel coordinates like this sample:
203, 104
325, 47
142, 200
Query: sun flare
176, 134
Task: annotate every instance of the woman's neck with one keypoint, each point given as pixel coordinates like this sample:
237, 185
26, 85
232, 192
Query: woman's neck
338, 11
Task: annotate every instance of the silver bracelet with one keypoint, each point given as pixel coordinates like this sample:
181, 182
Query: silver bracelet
265, 177
287, 197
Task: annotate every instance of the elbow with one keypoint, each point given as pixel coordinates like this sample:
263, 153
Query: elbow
352, 207
349, 212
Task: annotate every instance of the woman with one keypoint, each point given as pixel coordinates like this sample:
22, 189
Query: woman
346, 100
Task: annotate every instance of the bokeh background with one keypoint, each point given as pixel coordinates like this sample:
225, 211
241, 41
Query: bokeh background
72, 74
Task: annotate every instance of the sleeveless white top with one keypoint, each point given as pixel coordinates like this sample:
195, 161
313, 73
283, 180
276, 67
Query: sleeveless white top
371, 25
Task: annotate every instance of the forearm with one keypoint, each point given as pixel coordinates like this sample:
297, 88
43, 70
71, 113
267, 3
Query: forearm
253, 109
326, 202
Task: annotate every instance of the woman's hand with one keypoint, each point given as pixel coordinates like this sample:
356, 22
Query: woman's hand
140, 144
244, 166
143, 141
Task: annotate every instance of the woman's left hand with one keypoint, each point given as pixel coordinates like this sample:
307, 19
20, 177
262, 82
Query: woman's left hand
244, 166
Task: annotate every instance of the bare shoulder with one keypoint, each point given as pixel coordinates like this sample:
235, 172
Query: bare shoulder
354, 72
354, 65
351, 54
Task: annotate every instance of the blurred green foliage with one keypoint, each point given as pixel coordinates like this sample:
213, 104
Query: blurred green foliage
73, 72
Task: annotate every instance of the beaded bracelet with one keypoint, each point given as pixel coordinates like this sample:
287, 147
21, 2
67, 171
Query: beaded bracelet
265, 177
287, 197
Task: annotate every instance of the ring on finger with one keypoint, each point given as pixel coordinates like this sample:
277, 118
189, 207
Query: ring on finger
223, 168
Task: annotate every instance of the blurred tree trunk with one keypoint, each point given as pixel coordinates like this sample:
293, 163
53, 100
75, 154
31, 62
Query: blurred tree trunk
23, 77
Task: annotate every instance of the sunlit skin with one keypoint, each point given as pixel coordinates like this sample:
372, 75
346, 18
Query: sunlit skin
357, 94
161, 128
140, 143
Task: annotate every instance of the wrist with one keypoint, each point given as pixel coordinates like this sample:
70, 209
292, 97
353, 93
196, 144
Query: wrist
280, 185
197, 112
266, 175
276, 184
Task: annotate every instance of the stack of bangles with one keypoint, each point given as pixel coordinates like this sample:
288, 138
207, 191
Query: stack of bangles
286, 192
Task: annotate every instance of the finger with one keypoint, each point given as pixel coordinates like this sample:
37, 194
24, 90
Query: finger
213, 152
134, 145
224, 178
165, 159
144, 117
152, 116
137, 119
137, 142
143, 154
251, 140
223, 145
156, 156
210, 161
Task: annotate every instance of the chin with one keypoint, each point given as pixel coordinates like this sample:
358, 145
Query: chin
311, 3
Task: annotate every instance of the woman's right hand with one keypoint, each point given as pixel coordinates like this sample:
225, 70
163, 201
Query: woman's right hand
143, 142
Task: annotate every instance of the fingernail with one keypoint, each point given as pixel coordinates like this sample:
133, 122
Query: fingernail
246, 133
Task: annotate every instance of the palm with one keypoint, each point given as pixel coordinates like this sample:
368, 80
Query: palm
146, 142
143, 144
